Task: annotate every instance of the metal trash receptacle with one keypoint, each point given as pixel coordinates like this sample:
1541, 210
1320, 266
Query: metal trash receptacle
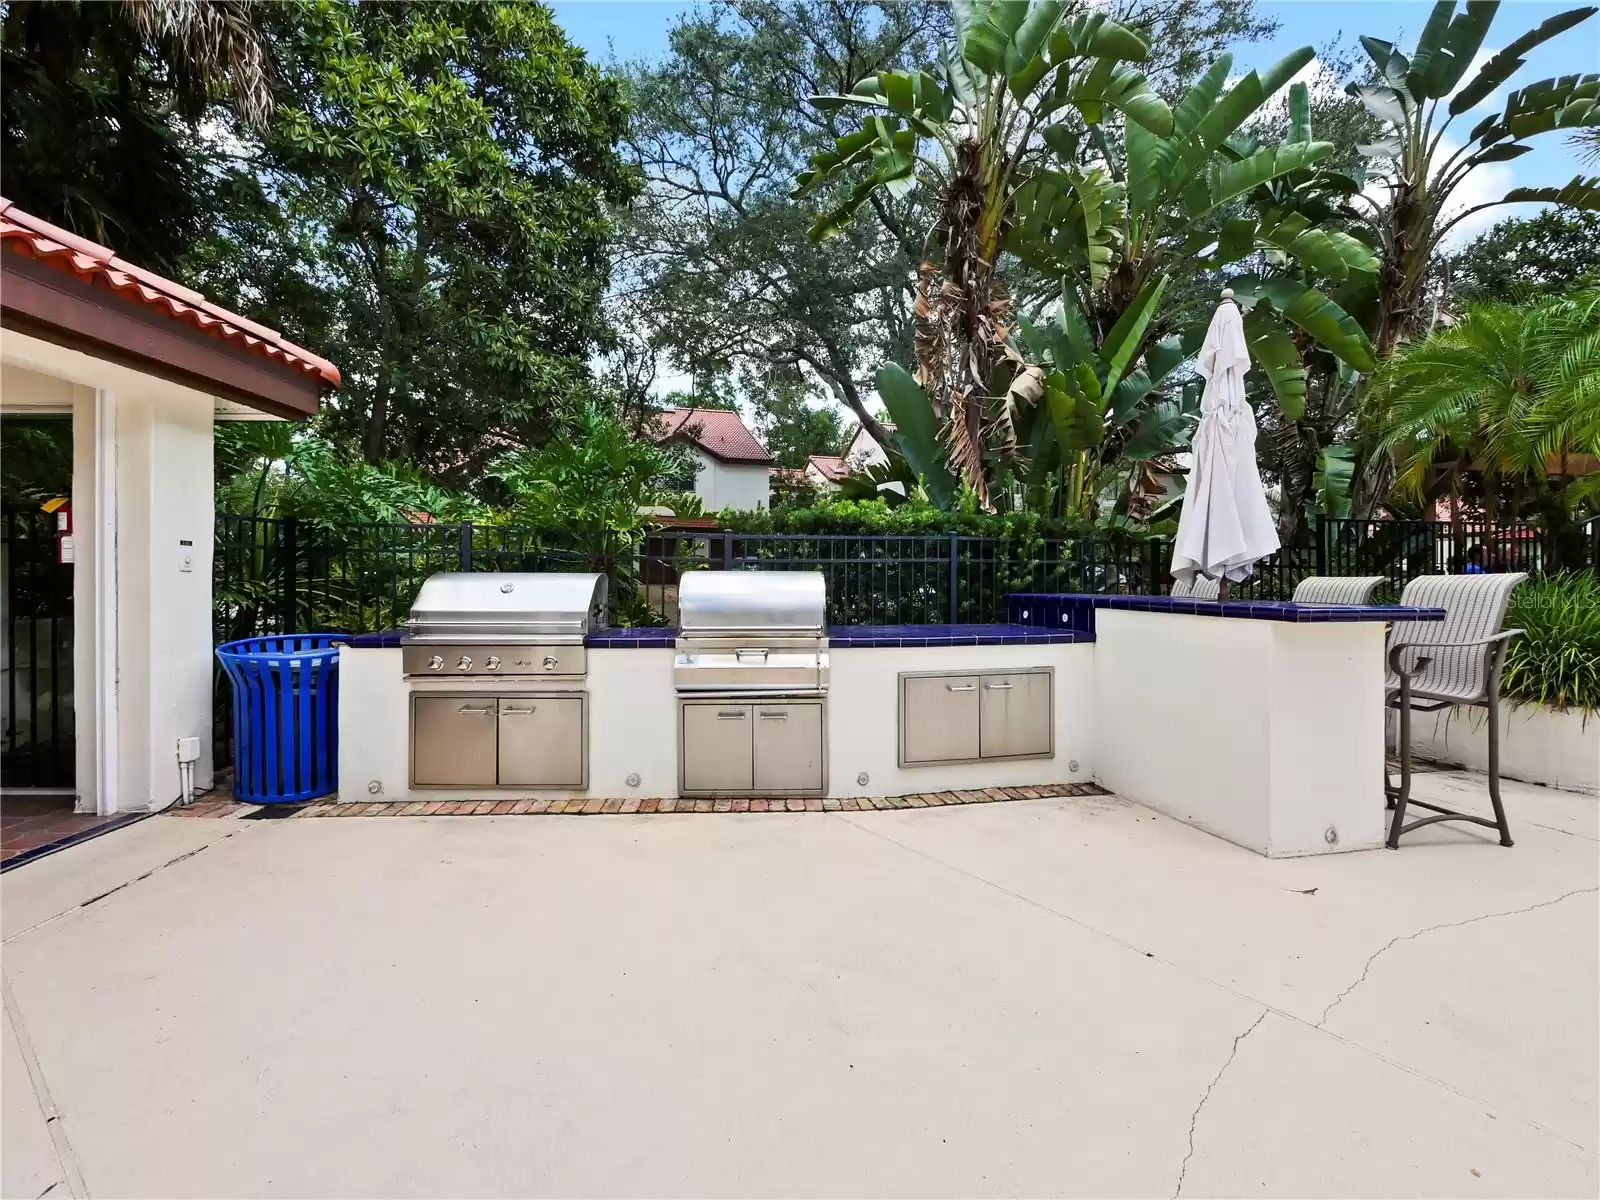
285, 715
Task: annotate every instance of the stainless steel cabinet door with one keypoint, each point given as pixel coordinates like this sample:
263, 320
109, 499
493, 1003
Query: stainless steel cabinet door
788, 744
939, 718
1016, 715
718, 747
453, 741
541, 741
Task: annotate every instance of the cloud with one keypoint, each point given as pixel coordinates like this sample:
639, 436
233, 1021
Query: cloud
1481, 185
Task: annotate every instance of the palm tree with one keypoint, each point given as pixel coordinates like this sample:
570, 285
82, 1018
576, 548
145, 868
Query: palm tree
1506, 403
217, 44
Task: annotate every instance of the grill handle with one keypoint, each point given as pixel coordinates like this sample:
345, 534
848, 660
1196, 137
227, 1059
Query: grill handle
758, 653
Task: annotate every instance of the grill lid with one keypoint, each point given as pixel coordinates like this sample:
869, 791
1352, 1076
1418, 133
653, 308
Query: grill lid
732, 603
546, 606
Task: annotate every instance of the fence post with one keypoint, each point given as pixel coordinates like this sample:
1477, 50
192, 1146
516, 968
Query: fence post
1152, 585
464, 551
1322, 544
727, 550
289, 548
955, 577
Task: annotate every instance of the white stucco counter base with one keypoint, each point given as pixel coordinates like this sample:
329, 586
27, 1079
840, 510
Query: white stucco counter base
1268, 734
633, 723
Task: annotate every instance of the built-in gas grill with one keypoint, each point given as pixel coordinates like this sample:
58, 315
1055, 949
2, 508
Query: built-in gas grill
751, 673
496, 664
471, 623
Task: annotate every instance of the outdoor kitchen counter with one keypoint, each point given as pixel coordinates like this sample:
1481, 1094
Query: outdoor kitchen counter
633, 710
1259, 721
658, 637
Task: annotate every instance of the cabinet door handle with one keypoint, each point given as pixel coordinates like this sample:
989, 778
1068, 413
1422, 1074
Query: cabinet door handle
998, 687
960, 687
740, 655
774, 716
730, 716
519, 712
472, 711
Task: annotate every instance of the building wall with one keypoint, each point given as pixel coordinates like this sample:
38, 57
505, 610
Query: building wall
144, 445
720, 485
864, 452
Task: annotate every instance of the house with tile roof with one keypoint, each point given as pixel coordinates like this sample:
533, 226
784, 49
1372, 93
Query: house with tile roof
733, 468
864, 451
825, 472
117, 649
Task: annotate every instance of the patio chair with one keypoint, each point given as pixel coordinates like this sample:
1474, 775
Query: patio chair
1204, 589
1336, 589
1442, 664
1180, 588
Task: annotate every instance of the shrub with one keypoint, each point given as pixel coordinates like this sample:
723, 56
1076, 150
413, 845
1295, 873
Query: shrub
1556, 662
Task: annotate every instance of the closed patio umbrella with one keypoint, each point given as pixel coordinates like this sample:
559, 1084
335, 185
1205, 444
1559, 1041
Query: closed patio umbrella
1225, 527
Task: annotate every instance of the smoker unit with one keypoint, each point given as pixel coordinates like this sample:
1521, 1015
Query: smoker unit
496, 664
751, 673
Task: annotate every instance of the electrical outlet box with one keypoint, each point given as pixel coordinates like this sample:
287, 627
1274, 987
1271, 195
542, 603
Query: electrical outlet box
188, 749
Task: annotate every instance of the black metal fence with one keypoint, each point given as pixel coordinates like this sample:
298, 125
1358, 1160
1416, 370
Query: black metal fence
282, 576
36, 714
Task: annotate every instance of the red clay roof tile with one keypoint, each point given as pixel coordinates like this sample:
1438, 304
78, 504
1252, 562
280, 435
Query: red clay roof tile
720, 432
64, 250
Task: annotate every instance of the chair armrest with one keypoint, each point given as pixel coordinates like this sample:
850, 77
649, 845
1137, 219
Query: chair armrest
1504, 635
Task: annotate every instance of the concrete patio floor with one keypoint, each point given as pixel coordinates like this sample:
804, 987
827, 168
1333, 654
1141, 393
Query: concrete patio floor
1065, 997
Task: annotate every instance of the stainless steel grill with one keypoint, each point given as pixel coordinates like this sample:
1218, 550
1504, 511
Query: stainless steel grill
497, 666
469, 624
751, 672
752, 632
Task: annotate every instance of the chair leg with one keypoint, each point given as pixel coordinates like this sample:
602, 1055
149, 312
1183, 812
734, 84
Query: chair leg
1494, 769
1403, 793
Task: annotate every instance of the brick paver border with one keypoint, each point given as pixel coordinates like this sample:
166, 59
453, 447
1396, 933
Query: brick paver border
226, 806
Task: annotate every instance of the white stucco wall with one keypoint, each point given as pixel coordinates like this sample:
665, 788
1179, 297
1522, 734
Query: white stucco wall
145, 445
633, 723
1537, 744
728, 485
1265, 733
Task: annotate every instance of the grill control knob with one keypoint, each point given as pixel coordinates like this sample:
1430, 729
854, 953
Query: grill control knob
465, 664
493, 664
435, 663
549, 662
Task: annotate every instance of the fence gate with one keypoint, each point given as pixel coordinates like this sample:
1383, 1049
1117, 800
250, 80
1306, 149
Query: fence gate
36, 701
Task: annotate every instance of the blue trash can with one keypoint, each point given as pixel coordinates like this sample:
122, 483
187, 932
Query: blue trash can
285, 715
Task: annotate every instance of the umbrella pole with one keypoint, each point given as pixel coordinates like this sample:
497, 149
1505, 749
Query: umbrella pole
1222, 589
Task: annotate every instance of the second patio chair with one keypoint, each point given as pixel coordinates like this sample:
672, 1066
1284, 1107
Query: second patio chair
1336, 589
1435, 665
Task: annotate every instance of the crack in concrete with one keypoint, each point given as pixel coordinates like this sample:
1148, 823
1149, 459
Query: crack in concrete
1406, 937
1194, 1117
67, 912
66, 1158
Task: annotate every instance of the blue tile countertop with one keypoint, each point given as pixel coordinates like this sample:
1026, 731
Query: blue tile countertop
369, 641
840, 635
640, 638
951, 635
1076, 612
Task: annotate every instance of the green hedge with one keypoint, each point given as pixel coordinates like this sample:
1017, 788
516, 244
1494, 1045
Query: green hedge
874, 516
1556, 662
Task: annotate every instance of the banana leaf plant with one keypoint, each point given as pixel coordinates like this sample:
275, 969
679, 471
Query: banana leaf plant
972, 129
1418, 97
1169, 213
